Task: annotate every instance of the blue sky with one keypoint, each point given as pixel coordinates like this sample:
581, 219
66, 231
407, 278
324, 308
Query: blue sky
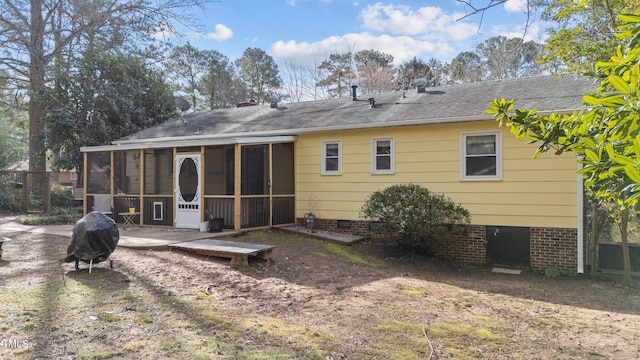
304, 32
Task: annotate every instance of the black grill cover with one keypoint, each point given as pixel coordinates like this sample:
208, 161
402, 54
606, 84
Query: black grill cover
95, 236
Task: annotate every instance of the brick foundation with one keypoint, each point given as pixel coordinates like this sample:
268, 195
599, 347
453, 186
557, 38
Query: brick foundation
554, 247
549, 247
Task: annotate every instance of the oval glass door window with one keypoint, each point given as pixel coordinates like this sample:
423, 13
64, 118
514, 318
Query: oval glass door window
188, 180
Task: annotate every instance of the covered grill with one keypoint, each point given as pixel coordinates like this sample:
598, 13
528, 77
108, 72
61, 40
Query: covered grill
94, 238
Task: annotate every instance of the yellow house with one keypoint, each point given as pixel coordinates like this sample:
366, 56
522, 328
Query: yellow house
269, 165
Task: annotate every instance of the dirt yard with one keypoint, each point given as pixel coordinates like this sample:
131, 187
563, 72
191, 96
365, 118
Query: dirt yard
314, 300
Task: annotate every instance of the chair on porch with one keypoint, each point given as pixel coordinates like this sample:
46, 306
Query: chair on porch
102, 203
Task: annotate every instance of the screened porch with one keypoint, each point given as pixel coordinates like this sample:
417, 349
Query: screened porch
247, 185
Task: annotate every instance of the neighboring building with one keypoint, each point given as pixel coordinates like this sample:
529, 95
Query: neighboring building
268, 165
69, 178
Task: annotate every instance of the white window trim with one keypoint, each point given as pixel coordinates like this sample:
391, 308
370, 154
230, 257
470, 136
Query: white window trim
463, 156
374, 155
324, 171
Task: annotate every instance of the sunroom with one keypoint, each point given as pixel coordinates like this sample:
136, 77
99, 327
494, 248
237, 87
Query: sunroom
244, 183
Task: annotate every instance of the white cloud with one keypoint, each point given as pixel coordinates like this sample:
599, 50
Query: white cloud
534, 32
426, 22
401, 47
515, 5
221, 33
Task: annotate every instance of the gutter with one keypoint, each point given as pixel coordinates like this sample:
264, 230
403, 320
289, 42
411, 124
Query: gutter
580, 260
184, 142
299, 131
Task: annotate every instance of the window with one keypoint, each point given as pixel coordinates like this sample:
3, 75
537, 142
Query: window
481, 156
332, 157
382, 160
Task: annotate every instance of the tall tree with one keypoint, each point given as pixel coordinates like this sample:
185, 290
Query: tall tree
220, 86
584, 35
187, 65
506, 58
338, 74
439, 72
411, 70
606, 135
107, 96
373, 57
13, 122
375, 71
35, 32
259, 73
466, 67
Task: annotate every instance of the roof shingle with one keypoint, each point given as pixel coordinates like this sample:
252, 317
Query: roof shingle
462, 102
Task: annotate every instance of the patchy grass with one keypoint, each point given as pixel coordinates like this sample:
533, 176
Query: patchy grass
246, 269
318, 301
347, 253
414, 292
548, 322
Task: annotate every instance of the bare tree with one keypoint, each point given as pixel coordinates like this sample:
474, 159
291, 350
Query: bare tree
374, 71
314, 73
33, 33
296, 82
488, 4
374, 78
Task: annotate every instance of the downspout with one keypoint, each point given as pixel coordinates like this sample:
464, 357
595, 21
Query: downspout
580, 214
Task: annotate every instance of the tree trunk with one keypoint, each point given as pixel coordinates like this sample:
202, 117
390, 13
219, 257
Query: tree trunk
624, 222
37, 160
595, 234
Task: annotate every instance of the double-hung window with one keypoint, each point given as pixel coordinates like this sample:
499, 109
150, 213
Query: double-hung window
382, 153
481, 156
331, 157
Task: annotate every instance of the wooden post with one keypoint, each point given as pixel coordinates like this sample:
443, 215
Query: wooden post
203, 216
175, 185
25, 191
112, 176
46, 187
85, 172
270, 182
141, 192
237, 189
594, 238
624, 233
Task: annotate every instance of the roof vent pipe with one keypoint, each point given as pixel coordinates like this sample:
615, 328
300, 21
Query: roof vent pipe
353, 92
372, 103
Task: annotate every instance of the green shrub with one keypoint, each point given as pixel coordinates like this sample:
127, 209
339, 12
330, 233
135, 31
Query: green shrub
10, 197
61, 196
57, 215
414, 216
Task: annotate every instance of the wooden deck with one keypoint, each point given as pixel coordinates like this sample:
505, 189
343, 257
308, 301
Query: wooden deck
238, 252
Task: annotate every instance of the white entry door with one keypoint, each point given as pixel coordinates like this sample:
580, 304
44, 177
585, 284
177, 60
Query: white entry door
188, 191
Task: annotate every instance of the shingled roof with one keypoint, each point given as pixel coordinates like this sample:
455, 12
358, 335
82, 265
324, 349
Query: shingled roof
444, 104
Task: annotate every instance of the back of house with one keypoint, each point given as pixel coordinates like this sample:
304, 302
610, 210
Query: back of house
264, 166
